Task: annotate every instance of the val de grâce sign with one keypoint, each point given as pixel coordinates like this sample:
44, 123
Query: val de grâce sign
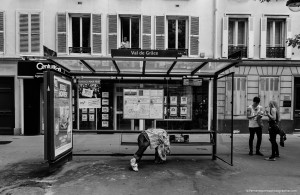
146, 53
33, 68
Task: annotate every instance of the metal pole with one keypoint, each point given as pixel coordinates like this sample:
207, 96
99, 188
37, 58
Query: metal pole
215, 121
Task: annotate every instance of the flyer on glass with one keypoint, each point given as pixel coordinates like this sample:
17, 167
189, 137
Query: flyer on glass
104, 116
173, 111
183, 100
173, 100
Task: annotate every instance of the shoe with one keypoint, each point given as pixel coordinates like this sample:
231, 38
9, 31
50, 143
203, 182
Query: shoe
133, 164
277, 156
270, 159
251, 153
259, 153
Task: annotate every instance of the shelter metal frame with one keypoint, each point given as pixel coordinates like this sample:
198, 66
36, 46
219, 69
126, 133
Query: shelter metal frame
201, 70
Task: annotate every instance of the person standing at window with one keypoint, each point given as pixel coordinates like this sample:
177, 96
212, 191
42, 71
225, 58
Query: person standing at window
254, 114
125, 43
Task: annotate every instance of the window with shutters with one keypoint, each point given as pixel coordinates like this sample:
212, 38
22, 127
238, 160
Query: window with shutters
80, 38
1, 32
269, 90
237, 36
29, 35
177, 33
275, 38
130, 32
239, 96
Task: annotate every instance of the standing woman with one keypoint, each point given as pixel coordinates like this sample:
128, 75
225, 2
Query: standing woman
273, 113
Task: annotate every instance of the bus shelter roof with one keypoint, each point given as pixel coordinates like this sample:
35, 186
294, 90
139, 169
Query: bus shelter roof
142, 67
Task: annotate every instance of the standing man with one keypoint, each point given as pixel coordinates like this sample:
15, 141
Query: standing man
254, 113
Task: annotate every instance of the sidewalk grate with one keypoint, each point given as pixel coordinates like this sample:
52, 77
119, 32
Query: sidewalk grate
5, 142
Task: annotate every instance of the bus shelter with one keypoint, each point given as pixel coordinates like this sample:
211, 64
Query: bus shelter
142, 70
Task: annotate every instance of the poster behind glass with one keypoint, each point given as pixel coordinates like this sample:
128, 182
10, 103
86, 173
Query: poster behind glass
62, 116
89, 103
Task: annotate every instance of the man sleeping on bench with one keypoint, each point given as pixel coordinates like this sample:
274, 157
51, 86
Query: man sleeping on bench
155, 138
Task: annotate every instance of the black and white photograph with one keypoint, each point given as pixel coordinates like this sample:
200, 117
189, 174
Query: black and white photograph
167, 97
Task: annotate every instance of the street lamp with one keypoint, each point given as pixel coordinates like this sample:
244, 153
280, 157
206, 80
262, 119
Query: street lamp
294, 5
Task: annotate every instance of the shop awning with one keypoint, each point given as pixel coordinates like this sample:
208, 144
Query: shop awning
141, 67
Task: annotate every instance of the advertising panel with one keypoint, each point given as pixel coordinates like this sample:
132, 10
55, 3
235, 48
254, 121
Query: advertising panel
58, 114
62, 115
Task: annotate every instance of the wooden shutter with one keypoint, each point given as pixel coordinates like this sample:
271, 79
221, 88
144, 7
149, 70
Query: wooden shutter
112, 32
35, 33
61, 33
263, 37
243, 97
288, 50
1, 32
262, 89
228, 96
96, 34
160, 32
146, 43
250, 38
194, 36
23, 33
225, 38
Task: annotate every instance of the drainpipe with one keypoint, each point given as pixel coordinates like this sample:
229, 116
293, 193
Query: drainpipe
215, 44
215, 29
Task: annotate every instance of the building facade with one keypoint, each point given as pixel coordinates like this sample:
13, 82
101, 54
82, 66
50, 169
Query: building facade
206, 29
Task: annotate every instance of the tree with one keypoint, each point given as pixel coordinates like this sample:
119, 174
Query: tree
294, 42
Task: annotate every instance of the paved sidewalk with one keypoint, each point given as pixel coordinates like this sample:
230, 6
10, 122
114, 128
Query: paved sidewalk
24, 171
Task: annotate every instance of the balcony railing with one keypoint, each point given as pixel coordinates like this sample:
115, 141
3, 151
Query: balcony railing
275, 52
79, 49
234, 49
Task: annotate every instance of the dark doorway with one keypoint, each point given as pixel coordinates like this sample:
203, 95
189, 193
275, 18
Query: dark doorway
32, 106
297, 105
7, 108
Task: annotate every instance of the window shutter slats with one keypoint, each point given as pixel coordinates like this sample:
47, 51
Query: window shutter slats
146, 32
288, 49
112, 32
24, 34
251, 38
194, 36
225, 38
61, 33
35, 33
1, 32
263, 37
96, 36
160, 32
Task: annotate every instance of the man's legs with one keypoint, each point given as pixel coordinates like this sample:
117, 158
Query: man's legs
259, 138
143, 144
252, 133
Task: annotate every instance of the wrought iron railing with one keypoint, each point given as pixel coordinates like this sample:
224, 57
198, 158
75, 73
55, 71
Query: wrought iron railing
79, 49
234, 49
275, 52
183, 52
